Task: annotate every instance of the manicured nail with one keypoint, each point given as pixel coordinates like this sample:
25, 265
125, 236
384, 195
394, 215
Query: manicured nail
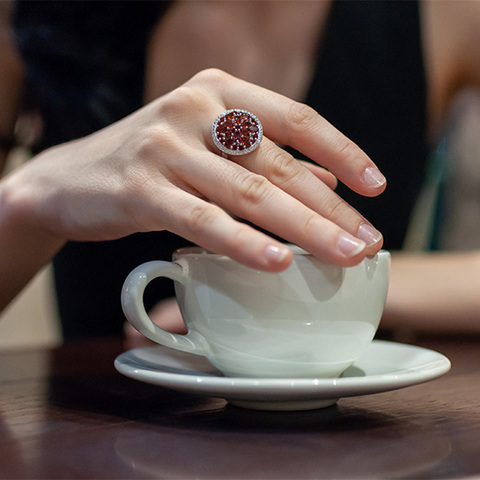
276, 254
373, 177
368, 234
349, 245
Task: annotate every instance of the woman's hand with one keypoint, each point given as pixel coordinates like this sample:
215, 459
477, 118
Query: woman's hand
158, 169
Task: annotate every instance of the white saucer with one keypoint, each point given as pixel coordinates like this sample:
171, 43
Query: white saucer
385, 366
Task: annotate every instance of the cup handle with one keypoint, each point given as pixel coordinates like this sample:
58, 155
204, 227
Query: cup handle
134, 309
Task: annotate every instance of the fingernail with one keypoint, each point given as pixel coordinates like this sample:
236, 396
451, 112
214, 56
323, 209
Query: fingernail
276, 254
368, 234
373, 177
349, 245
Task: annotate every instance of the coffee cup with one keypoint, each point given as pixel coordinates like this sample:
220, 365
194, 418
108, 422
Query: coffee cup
313, 319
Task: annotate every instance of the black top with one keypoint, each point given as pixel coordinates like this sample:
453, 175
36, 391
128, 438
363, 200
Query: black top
370, 84
85, 68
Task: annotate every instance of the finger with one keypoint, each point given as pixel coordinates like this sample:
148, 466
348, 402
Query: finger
291, 176
291, 123
254, 198
211, 227
284, 171
328, 178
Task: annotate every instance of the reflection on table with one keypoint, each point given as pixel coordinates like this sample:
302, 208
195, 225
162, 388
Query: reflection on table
67, 413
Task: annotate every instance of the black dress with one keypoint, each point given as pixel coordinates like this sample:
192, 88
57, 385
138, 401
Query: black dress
85, 64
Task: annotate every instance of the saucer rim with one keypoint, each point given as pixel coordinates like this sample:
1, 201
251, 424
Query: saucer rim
252, 391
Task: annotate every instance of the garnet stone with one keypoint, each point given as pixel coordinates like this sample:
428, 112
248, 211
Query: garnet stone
237, 132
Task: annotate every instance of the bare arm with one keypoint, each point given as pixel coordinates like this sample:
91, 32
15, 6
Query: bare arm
437, 292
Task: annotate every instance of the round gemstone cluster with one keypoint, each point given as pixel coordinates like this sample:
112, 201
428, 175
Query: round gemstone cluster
237, 132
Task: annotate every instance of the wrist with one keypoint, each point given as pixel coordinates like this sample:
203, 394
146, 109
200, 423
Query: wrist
18, 218
25, 245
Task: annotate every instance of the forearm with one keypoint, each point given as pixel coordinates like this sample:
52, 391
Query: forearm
438, 292
24, 246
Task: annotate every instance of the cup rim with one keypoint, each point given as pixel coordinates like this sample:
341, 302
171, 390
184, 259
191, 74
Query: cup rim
196, 250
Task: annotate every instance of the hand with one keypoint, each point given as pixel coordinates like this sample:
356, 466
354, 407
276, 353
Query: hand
159, 169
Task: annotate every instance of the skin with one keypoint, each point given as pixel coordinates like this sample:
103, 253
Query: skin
158, 169
440, 297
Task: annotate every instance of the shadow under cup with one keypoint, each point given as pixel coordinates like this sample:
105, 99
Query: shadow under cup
311, 320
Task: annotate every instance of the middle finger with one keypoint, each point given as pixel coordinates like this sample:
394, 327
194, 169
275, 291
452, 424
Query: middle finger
255, 198
291, 176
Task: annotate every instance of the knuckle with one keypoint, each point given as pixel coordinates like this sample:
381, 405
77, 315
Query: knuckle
310, 224
154, 139
347, 149
199, 219
181, 100
282, 168
332, 207
238, 237
301, 117
210, 75
253, 189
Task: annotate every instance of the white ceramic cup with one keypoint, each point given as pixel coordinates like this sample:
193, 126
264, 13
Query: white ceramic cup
312, 320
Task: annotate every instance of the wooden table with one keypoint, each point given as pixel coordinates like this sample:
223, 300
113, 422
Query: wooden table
66, 413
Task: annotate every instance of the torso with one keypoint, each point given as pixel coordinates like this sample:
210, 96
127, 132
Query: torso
270, 43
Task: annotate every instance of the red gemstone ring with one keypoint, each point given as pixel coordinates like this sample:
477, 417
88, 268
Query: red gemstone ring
237, 132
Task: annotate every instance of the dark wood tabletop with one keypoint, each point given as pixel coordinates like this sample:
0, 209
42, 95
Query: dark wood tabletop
67, 413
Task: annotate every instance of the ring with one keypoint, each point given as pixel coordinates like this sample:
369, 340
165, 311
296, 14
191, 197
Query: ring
237, 132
